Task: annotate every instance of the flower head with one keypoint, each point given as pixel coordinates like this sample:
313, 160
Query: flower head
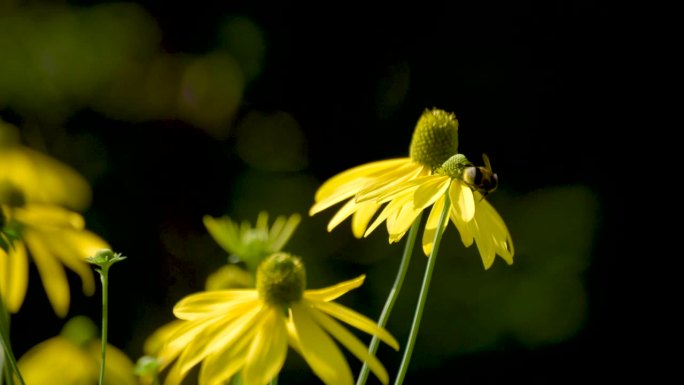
473, 216
53, 236
251, 244
435, 138
248, 331
73, 358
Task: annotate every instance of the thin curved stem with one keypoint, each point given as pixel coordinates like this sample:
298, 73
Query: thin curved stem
393, 294
105, 283
422, 298
7, 348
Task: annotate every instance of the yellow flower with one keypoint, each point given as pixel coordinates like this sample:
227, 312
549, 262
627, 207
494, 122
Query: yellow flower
54, 237
38, 177
473, 216
434, 140
66, 360
251, 244
248, 331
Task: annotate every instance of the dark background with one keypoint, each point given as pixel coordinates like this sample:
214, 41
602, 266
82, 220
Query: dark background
528, 82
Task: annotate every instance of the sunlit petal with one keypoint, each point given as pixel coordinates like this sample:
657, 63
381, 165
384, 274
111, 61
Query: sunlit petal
268, 351
462, 197
352, 343
51, 273
333, 292
356, 320
362, 216
431, 225
14, 275
319, 350
212, 302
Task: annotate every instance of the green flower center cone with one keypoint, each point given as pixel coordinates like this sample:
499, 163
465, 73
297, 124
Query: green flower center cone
435, 138
281, 279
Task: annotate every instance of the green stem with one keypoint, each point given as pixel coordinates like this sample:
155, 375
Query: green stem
422, 298
7, 347
393, 294
104, 272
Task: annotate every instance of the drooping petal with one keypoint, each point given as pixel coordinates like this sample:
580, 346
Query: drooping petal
57, 361
180, 337
430, 190
348, 183
343, 213
212, 302
401, 220
483, 242
356, 320
14, 275
352, 343
51, 273
155, 341
267, 353
390, 181
217, 337
48, 217
318, 349
333, 292
392, 208
431, 225
462, 227
362, 216
72, 247
491, 223
220, 367
462, 197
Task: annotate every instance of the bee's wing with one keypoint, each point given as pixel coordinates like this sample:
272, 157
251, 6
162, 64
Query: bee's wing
488, 165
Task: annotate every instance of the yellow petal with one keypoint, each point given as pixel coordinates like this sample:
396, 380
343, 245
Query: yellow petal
430, 190
319, 350
462, 227
268, 351
352, 344
392, 208
72, 247
356, 320
219, 366
492, 224
332, 292
431, 225
51, 273
207, 303
401, 220
155, 341
48, 217
484, 243
343, 213
348, 183
58, 361
14, 276
179, 338
462, 197
217, 337
364, 213
389, 181
43, 179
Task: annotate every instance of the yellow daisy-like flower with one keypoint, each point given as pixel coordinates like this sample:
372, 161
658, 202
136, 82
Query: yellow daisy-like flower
53, 236
434, 140
248, 331
251, 244
473, 216
73, 358
40, 178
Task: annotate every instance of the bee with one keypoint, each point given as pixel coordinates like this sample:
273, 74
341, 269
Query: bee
481, 178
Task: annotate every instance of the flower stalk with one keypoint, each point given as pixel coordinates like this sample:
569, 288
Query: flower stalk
104, 259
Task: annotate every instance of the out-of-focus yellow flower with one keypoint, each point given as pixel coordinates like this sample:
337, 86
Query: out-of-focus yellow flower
473, 216
434, 140
248, 331
73, 358
38, 177
53, 236
251, 244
